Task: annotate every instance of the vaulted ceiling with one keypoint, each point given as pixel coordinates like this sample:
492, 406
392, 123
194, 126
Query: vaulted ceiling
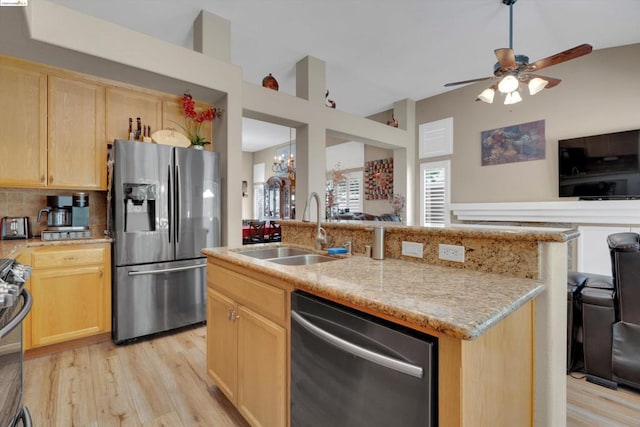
378, 52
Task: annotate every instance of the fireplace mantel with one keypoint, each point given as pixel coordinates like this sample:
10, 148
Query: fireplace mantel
623, 212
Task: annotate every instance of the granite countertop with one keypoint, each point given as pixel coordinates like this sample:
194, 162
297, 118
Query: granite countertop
11, 248
460, 303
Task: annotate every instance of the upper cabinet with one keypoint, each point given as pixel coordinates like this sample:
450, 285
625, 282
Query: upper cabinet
55, 125
77, 153
123, 104
23, 125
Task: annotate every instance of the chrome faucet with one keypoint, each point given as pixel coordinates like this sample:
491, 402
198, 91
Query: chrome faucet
321, 235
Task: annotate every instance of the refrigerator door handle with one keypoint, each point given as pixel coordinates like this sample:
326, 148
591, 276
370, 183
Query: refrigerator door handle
165, 270
179, 202
169, 201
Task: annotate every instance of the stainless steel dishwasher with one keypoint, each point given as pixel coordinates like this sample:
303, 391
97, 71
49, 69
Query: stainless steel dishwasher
352, 369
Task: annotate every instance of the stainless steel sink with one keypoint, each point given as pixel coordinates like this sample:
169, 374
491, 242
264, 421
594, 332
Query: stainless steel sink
269, 253
302, 259
286, 256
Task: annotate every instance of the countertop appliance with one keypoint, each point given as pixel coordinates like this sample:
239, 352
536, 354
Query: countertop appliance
15, 303
165, 208
352, 369
15, 228
67, 217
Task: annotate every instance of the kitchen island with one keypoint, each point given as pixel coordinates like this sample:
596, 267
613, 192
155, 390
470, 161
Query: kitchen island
485, 322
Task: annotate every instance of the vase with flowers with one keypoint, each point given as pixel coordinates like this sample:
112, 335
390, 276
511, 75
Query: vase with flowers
397, 204
194, 120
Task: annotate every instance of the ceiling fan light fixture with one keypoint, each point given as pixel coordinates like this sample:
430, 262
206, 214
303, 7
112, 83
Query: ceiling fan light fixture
512, 98
487, 95
508, 84
536, 85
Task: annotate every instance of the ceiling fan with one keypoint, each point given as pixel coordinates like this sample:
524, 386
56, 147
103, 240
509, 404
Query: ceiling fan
512, 69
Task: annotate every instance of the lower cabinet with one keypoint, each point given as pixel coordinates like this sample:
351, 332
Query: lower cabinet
247, 345
71, 288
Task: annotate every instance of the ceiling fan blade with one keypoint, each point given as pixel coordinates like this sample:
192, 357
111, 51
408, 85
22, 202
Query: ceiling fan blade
506, 58
575, 52
464, 82
553, 82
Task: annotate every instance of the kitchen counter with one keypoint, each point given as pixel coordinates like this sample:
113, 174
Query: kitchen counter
503, 355
460, 303
11, 248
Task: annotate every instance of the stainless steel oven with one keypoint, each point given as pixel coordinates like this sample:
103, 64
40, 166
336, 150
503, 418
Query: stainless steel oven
15, 303
352, 369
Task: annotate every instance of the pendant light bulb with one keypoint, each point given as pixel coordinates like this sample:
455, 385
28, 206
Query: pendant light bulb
512, 98
536, 85
508, 84
487, 95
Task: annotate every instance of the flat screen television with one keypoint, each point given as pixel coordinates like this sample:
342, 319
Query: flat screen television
600, 167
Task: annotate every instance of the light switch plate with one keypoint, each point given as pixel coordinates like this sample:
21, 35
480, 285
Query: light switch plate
412, 249
451, 253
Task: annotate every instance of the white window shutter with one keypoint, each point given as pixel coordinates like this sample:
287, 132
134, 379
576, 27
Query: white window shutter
435, 200
349, 193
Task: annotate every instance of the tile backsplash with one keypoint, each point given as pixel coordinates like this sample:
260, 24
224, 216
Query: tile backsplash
27, 202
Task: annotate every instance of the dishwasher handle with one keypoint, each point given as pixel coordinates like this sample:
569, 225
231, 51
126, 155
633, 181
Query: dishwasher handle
371, 356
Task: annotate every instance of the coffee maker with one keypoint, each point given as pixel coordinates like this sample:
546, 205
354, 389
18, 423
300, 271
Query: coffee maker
67, 217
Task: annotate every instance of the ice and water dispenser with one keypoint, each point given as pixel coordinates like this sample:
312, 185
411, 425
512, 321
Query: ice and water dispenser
140, 207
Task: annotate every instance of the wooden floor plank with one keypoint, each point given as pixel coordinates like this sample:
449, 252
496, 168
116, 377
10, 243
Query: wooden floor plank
163, 382
75, 396
114, 403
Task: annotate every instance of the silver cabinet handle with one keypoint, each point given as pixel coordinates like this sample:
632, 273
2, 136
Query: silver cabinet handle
166, 270
371, 356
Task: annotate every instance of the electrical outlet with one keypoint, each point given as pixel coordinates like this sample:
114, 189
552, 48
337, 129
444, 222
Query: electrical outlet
412, 249
451, 253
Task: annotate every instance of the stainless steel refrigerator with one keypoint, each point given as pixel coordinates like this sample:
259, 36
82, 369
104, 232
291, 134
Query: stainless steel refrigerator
164, 208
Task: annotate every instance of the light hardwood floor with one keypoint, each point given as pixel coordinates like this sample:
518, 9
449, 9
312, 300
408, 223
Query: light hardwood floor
160, 382
163, 382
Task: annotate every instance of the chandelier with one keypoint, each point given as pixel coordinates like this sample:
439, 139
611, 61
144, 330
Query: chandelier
285, 165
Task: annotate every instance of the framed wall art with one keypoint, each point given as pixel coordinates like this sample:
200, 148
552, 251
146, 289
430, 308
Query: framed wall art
378, 179
517, 143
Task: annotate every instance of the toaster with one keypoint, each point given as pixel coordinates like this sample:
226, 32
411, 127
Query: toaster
15, 228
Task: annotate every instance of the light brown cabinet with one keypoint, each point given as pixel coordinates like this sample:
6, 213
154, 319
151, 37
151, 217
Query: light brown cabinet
23, 125
55, 124
247, 344
77, 154
71, 288
123, 104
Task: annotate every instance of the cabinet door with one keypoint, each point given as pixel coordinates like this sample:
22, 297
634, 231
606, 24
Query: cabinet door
222, 343
69, 303
173, 117
23, 125
262, 373
77, 150
123, 104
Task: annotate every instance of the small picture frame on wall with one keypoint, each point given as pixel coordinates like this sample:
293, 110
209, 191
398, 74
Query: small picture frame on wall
378, 181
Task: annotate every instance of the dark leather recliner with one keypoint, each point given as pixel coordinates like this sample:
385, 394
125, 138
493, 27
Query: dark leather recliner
598, 316
625, 262
575, 283
611, 317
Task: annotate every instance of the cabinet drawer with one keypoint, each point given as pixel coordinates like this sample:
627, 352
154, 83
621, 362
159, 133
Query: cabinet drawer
265, 299
61, 257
